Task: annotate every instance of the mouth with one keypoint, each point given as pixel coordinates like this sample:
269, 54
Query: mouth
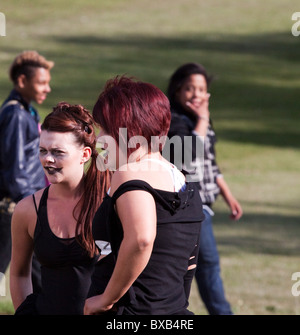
42, 98
52, 170
196, 103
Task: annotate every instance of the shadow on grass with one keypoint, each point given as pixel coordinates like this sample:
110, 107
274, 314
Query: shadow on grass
257, 76
244, 86
266, 234
281, 45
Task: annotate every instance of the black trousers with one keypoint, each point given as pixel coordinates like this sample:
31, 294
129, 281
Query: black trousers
5, 251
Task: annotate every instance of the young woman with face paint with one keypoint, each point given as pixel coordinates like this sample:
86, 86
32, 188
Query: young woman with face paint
55, 222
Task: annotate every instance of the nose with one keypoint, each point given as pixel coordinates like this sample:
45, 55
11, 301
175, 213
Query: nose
48, 88
197, 93
49, 158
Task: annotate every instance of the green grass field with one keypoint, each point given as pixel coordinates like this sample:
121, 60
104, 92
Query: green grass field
249, 48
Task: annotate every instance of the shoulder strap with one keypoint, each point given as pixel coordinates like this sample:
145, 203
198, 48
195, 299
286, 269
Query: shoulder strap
36, 210
136, 184
42, 201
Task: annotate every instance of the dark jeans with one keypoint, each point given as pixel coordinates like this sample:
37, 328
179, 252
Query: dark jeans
208, 271
5, 252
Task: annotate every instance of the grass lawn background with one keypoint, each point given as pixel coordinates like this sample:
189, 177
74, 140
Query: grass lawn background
255, 98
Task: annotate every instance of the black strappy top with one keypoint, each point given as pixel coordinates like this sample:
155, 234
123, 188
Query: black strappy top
164, 285
66, 268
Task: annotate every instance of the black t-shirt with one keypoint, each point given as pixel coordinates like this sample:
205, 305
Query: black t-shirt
164, 285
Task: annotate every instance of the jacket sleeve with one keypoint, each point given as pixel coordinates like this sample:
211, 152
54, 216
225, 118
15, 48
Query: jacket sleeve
13, 143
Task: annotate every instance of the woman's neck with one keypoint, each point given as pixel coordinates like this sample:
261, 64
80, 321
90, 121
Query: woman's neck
68, 190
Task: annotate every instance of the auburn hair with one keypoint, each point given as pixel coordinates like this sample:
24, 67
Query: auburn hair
78, 121
140, 107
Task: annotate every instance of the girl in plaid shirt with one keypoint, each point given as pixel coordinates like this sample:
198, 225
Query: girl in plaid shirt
189, 99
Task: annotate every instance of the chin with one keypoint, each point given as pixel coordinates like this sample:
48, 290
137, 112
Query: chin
53, 180
40, 101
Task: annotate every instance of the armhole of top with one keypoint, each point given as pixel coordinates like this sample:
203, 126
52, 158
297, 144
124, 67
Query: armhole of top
140, 185
131, 185
36, 209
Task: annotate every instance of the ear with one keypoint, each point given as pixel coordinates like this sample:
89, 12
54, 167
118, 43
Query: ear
21, 80
86, 154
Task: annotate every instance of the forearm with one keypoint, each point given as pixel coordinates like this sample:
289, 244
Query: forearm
22, 250
201, 126
224, 188
235, 207
20, 288
131, 261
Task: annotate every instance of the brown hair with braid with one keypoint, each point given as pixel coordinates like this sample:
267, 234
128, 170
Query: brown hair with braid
77, 120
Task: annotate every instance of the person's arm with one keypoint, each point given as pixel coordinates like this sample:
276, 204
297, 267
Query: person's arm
137, 212
235, 207
13, 157
22, 249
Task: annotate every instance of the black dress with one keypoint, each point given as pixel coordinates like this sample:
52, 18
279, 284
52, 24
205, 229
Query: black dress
164, 285
66, 271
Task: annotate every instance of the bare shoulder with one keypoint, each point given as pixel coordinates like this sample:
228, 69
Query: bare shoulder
24, 216
120, 177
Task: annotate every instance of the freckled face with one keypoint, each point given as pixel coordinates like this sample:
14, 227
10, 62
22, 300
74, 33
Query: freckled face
61, 156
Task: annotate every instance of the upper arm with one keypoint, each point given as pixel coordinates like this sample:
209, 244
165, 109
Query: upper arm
137, 212
22, 223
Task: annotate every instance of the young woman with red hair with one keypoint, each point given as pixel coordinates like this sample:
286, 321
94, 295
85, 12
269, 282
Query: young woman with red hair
55, 222
148, 224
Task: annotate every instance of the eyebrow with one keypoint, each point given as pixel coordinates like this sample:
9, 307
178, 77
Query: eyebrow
55, 148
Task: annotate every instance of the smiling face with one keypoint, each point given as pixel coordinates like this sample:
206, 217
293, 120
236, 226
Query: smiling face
61, 157
193, 90
35, 88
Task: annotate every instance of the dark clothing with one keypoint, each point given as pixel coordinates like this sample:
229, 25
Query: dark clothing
21, 172
207, 274
164, 285
5, 240
182, 125
208, 266
66, 269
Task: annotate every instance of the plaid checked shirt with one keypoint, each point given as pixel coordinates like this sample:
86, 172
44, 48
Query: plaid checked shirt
182, 126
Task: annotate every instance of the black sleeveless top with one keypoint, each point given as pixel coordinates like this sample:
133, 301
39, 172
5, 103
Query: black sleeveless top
66, 268
164, 285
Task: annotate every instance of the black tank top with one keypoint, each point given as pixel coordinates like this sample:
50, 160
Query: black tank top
66, 268
164, 285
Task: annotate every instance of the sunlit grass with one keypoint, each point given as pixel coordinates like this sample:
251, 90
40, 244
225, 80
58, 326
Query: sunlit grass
249, 48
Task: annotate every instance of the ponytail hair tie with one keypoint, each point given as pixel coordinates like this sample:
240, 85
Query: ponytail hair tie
87, 129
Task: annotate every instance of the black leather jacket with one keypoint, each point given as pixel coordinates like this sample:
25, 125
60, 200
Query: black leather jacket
21, 172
